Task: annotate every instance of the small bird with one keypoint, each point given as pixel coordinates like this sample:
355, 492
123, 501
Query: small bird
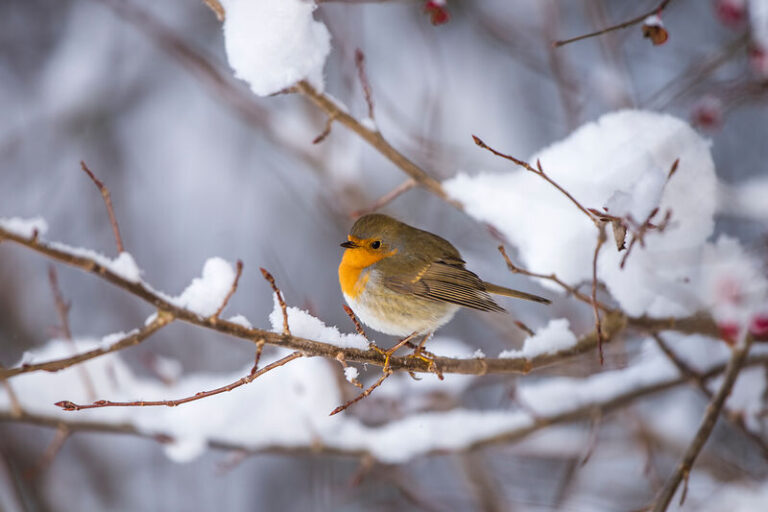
404, 281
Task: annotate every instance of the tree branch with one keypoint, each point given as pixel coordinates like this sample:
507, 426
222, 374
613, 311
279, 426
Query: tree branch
580, 412
70, 406
634, 21
683, 470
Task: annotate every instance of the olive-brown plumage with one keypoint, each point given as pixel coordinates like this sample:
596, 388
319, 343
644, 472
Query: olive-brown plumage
402, 280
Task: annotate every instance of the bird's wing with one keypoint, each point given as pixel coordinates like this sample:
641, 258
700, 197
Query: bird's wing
444, 281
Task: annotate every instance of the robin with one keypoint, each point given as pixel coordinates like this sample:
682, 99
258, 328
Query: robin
408, 282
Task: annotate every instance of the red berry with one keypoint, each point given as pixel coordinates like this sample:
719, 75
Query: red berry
437, 12
731, 13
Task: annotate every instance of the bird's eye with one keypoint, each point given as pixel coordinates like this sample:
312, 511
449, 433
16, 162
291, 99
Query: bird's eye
375, 244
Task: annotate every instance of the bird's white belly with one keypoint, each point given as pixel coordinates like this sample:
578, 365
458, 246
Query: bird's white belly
395, 314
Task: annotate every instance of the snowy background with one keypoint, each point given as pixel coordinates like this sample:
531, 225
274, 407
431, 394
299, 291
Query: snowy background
199, 170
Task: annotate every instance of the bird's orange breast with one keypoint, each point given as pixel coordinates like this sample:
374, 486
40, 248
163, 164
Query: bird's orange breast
353, 262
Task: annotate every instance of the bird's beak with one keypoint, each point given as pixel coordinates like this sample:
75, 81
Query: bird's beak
349, 245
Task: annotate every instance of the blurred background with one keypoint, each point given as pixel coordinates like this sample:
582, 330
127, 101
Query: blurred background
199, 167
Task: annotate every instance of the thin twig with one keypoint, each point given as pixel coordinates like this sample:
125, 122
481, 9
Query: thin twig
551, 277
326, 131
634, 21
161, 320
736, 419
217, 9
108, 202
384, 374
340, 358
230, 293
598, 325
70, 406
353, 317
375, 139
15, 405
257, 356
540, 171
387, 198
360, 64
278, 293
57, 443
683, 470
62, 309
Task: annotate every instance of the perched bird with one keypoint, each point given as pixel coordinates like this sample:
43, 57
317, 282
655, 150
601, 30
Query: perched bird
404, 281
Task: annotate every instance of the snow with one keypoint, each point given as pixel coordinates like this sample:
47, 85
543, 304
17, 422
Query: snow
746, 199
241, 320
732, 283
351, 373
205, 294
620, 161
288, 407
124, 265
653, 21
304, 325
758, 21
736, 497
24, 227
556, 336
110, 339
272, 44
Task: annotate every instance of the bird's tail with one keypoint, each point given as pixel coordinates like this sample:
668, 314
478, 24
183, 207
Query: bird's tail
508, 292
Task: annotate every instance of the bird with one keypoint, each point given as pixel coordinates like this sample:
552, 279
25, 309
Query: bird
406, 282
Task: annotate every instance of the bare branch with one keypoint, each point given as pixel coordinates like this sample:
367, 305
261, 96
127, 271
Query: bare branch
69, 406
598, 326
57, 443
375, 139
283, 307
16, 410
161, 320
384, 375
353, 317
540, 171
551, 277
360, 64
634, 21
583, 411
230, 293
62, 308
735, 365
387, 198
217, 9
108, 202
736, 420
340, 358
613, 323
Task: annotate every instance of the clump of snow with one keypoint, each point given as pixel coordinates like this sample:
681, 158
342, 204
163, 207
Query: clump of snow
758, 21
123, 266
24, 227
351, 373
746, 199
205, 294
556, 336
732, 283
621, 162
110, 339
304, 325
185, 449
272, 44
241, 320
653, 21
